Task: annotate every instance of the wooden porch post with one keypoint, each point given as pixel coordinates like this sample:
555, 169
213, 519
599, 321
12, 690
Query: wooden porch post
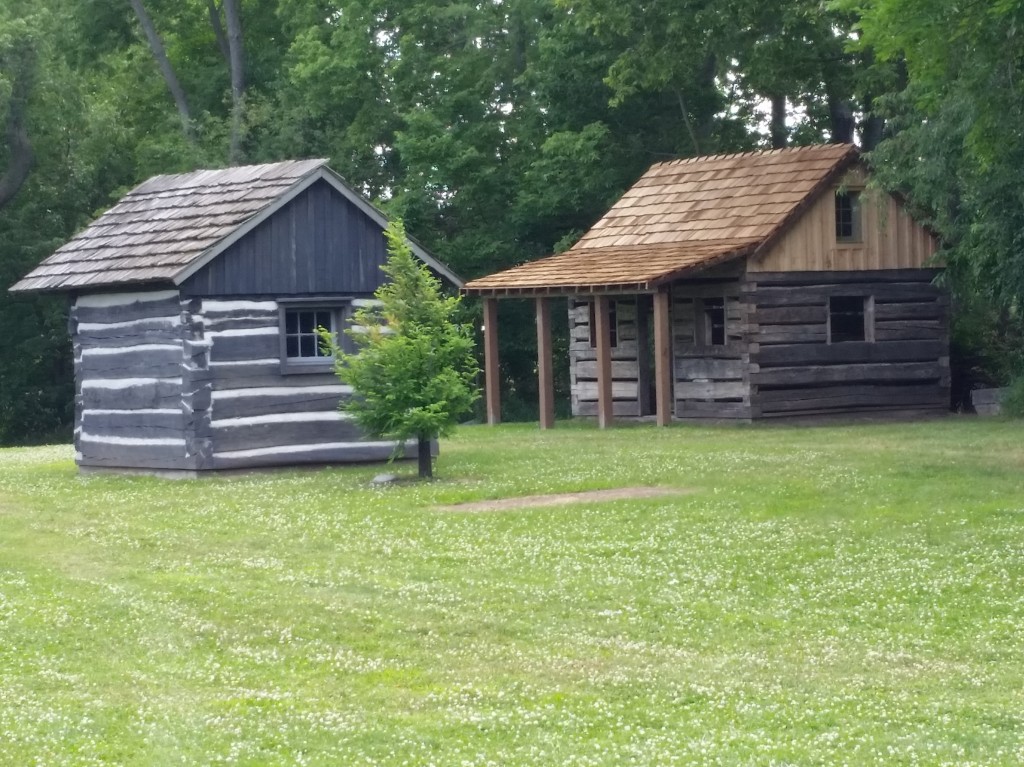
662, 358
545, 379
604, 361
492, 385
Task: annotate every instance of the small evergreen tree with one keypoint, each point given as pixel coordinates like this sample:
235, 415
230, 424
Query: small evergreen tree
413, 371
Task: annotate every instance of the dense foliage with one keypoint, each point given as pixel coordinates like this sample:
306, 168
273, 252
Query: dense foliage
413, 374
499, 131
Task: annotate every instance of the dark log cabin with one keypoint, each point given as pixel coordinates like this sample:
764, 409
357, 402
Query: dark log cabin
740, 287
194, 304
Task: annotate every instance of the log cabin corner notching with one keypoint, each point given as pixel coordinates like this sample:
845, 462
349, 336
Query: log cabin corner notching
740, 287
194, 306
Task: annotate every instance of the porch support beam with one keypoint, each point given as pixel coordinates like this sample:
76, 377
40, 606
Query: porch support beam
545, 379
662, 358
492, 379
604, 361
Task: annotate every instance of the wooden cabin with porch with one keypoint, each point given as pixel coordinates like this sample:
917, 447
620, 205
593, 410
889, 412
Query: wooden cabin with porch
195, 303
740, 287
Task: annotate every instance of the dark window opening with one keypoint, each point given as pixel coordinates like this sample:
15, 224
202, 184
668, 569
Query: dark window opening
714, 322
846, 319
300, 333
848, 217
613, 325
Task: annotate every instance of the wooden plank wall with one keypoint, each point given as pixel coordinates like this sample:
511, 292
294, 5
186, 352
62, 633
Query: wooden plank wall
583, 360
795, 372
259, 417
710, 382
317, 244
891, 238
131, 353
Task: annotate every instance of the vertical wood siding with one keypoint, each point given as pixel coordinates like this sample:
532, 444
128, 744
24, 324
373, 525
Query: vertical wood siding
317, 244
891, 239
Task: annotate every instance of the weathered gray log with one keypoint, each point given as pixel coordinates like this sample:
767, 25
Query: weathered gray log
873, 372
151, 394
236, 348
138, 310
849, 352
229, 437
295, 402
352, 453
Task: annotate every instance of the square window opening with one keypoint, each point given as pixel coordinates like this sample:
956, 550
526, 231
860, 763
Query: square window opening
847, 319
848, 218
301, 339
710, 327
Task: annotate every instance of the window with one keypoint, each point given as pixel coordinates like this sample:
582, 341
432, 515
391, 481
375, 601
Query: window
300, 332
848, 217
301, 350
848, 319
613, 325
709, 328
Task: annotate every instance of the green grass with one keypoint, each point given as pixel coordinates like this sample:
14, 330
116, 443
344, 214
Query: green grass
826, 596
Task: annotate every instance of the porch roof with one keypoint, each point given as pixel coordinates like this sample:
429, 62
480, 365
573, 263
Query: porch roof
633, 268
682, 216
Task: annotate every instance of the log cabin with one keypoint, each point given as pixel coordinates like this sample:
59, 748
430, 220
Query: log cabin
767, 284
194, 304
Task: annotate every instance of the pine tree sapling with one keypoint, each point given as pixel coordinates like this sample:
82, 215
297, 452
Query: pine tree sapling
413, 372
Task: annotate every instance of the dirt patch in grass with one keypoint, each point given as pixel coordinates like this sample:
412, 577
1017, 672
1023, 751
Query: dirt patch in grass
560, 499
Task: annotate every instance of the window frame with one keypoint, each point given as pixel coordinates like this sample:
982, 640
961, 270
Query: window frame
703, 327
867, 318
340, 311
856, 208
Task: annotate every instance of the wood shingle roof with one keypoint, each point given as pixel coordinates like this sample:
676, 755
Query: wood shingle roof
168, 227
680, 216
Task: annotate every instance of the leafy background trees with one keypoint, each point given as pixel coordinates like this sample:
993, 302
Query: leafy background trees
499, 131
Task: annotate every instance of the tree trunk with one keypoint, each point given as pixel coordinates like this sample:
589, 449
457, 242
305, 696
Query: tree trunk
842, 123
426, 462
237, 60
779, 129
156, 47
19, 147
218, 30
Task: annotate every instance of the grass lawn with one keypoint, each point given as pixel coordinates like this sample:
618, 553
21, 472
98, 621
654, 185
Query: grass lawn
824, 596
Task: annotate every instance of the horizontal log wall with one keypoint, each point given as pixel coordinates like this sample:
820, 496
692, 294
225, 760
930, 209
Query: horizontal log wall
131, 354
583, 360
710, 382
795, 371
261, 417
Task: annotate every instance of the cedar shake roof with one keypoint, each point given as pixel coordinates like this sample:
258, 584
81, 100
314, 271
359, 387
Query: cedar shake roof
169, 227
682, 216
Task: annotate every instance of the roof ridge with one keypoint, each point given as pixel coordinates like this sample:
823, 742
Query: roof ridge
754, 152
319, 161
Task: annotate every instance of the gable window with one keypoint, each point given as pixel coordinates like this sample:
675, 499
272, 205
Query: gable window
613, 325
849, 319
710, 325
300, 320
848, 220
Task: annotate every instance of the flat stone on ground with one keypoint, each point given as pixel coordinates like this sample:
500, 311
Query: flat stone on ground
560, 499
